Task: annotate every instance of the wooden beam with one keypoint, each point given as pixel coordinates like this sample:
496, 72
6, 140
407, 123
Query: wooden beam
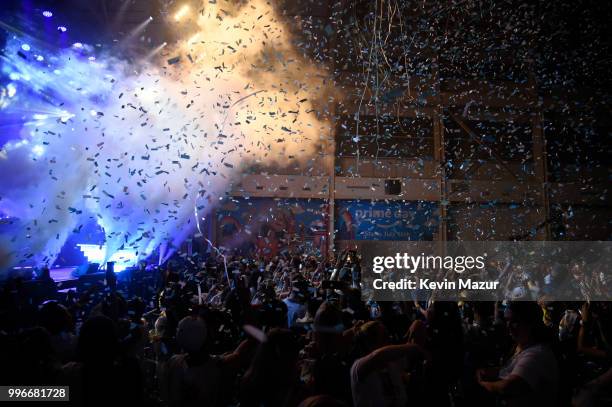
475, 137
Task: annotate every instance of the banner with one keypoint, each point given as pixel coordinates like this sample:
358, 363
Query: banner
266, 226
385, 220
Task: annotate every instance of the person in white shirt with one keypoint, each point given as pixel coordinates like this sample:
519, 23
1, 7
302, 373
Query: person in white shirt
531, 376
196, 378
377, 378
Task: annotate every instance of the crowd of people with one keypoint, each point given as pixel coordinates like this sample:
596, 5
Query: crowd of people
293, 330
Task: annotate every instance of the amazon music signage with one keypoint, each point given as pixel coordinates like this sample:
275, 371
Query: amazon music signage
386, 220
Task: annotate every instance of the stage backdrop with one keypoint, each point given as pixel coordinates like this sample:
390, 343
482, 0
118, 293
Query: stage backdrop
268, 226
385, 220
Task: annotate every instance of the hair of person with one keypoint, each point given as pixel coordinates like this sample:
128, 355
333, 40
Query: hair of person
527, 312
273, 367
98, 341
54, 317
328, 319
321, 400
485, 309
366, 337
531, 315
191, 334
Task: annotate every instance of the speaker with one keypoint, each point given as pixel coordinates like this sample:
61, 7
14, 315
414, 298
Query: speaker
393, 186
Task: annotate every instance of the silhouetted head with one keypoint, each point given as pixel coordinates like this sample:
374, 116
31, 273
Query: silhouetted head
98, 342
54, 317
525, 322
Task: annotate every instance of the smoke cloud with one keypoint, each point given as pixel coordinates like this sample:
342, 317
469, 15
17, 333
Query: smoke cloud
144, 145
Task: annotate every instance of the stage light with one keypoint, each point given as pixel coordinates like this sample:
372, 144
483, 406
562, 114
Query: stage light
47, 14
61, 28
38, 150
11, 90
156, 50
65, 116
136, 31
97, 254
77, 45
181, 13
25, 47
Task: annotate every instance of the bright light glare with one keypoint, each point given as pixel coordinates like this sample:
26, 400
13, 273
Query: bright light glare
97, 253
12, 90
38, 150
193, 38
65, 116
181, 13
